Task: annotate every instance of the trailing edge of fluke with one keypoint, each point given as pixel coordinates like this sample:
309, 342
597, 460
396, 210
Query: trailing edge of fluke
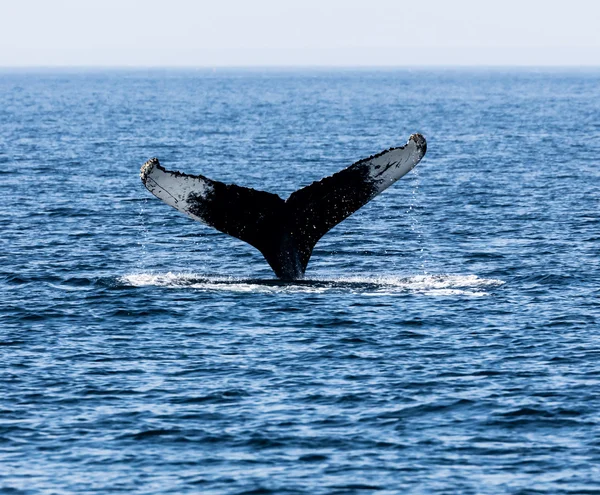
285, 232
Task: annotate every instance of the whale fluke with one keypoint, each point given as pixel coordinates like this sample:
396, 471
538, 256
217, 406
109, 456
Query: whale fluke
285, 232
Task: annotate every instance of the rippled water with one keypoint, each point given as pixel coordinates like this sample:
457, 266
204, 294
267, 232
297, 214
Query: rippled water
445, 340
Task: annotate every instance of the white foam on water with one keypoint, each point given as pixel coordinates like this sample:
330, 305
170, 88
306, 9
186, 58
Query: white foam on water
432, 285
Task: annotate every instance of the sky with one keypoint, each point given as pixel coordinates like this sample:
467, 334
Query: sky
355, 33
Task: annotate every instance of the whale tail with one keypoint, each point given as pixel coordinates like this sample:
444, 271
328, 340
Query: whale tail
285, 232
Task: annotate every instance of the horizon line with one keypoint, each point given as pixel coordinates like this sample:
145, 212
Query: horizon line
298, 67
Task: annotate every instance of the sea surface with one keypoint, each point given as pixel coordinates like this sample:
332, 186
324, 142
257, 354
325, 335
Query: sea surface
446, 338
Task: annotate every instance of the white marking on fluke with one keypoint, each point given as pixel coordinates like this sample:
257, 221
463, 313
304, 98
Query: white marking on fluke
174, 188
387, 167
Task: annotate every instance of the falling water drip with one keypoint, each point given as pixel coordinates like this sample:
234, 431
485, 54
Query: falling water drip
415, 220
143, 237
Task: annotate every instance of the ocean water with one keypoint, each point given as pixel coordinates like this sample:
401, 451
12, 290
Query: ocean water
446, 338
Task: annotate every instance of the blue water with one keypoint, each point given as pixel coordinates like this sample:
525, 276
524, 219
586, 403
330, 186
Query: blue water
446, 339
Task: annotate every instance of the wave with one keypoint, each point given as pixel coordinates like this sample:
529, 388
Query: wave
436, 285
